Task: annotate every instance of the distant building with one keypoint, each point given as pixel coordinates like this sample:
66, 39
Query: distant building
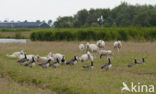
24, 25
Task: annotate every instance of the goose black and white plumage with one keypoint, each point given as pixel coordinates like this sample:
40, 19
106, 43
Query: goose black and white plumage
46, 64
55, 64
72, 61
142, 62
135, 63
23, 60
31, 63
89, 66
107, 66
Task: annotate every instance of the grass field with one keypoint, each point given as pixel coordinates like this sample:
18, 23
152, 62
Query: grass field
75, 79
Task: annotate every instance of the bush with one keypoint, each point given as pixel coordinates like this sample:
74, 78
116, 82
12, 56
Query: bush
88, 34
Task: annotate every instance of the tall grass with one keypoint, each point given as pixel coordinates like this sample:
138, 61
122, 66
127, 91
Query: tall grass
140, 34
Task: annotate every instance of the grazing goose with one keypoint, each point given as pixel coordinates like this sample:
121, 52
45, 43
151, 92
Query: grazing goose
31, 64
135, 63
143, 61
107, 66
73, 61
89, 66
23, 60
46, 64
55, 64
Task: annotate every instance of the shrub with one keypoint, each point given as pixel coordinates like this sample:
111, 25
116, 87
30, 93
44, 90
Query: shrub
88, 34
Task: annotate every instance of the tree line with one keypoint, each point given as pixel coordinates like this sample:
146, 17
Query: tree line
124, 15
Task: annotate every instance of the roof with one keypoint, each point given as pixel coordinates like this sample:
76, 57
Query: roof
23, 25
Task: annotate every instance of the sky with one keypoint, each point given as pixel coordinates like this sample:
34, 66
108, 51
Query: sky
32, 10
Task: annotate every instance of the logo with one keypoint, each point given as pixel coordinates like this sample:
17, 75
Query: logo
137, 87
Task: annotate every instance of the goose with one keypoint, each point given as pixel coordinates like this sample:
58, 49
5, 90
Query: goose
135, 63
23, 60
89, 66
46, 64
143, 61
55, 64
108, 65
72, 61
31, 64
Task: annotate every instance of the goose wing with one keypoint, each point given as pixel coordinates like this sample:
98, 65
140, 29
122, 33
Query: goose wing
104, 66
69, 62
131, 65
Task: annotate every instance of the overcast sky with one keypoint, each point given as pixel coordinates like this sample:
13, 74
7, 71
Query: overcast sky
32, 10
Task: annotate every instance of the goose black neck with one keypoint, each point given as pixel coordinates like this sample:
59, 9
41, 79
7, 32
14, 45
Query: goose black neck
92, 64
75, 58
49, 60
25, 56
143, 60
135, 61
33, 59
109, 62
57, 60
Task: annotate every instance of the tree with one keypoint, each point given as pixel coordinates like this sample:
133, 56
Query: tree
123, 15
50, 22
5, 20
64, 22
81, 17
142, 19
25, 21
38, 21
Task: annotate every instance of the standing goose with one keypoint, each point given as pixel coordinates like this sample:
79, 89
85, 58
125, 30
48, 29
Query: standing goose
143, 61
72, 61
46, 64
31, 64
55, 64
108, 65
89, 66
135, 63
23, 60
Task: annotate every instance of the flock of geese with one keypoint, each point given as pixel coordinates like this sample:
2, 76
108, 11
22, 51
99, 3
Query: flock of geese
59, 58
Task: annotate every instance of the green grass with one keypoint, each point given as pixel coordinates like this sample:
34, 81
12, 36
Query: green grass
75, 79
9, 86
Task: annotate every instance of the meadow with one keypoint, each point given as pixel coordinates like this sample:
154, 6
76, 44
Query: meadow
74, 79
